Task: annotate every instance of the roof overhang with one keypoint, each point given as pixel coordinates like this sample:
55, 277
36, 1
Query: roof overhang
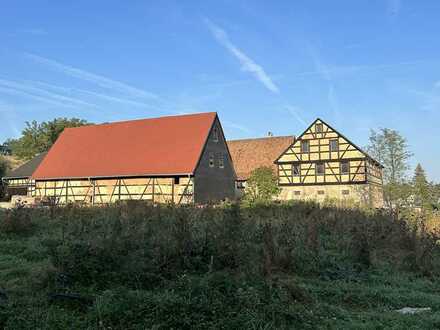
172, 175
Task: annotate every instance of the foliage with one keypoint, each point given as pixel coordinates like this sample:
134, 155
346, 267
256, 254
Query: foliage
3, 168
39, 137
16, 221
262, 185
422, 190
269, 266
390, 148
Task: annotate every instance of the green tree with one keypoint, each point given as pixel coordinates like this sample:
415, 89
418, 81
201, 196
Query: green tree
390, 148
37, 138
262, 186
422, 189
3, 168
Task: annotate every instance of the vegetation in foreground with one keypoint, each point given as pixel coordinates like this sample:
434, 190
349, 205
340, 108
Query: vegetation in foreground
134, 266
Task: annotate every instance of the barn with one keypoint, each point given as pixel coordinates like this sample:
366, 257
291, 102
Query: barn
18, 181
174, 159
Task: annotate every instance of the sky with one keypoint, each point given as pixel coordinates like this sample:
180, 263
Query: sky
264, 66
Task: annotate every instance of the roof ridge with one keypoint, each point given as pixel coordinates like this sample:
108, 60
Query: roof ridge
263, 138
145, 119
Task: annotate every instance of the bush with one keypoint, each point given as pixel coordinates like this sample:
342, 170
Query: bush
16, 221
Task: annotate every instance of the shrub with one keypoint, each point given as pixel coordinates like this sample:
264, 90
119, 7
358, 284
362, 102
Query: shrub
262, 186
16, 221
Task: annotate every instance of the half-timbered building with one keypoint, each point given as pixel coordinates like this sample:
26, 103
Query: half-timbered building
324, 164
19, 181
174, 159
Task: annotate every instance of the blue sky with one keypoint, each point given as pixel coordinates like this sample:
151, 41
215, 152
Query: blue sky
262, 65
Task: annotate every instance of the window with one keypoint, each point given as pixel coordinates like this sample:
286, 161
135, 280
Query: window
296, 168
297, 192
345, 167
176, 180
345, 192
211, 159
334, 145
305, 146
215, 135
221, 160
318, 128
320, 168
321, 192
241, 184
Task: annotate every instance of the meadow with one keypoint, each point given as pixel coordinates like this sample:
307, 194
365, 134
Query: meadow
279, 266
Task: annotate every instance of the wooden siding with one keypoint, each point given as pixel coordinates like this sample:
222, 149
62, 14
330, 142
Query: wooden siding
215, 183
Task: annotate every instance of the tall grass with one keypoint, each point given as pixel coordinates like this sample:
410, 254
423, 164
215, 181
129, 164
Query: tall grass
188, 267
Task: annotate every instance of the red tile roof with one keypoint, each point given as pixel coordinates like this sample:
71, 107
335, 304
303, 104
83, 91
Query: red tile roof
157, 146
249, 154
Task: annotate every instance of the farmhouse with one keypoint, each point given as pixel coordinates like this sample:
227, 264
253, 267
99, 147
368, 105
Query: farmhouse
322, 163
249, 154
174, 159
19, 181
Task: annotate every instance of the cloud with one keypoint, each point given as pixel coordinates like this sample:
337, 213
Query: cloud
113, 98
12, 91
326, 73
35, 32
235, 126
247, 64
294, 111
99, 80
32, 90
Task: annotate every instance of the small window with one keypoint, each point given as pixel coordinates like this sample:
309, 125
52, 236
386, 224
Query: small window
297, 193
321, 192
318, 128
345, 167
296, 168
215, 135
241, 184
211, 159
320, 168
345, 192
177, 180
221, 160
305, 146
334, 145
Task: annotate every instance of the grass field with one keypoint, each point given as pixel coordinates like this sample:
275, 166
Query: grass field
296, 266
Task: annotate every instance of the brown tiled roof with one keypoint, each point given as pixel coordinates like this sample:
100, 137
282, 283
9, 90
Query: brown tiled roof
250, 154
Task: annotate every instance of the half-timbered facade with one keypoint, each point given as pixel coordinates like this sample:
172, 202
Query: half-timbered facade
324, 164
19, 181
175, 159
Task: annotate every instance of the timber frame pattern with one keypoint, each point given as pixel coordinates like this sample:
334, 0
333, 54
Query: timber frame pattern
175, 190
321, 156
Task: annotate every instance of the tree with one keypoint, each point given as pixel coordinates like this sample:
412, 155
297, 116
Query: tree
422, 189
391, 150
37, 138
262, 185
3, 168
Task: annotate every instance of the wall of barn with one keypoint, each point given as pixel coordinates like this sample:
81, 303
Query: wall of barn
102, 191
20, 186
215, 175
